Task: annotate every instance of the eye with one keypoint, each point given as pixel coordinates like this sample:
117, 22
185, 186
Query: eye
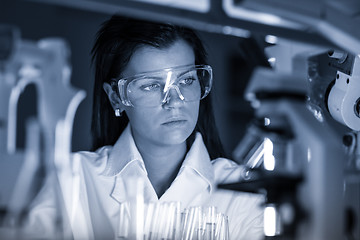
187, 81
150, 87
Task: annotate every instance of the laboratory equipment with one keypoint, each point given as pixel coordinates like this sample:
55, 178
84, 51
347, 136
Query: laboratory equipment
303, 182
44, 64
294, 150
142, 220
343, 100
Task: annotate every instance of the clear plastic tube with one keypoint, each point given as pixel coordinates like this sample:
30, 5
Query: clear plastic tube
166, 221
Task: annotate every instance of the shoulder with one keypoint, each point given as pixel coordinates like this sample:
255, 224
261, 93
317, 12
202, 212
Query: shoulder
227, 170
96, 160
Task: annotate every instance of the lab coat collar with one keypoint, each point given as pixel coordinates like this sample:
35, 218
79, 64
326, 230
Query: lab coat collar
195, 180
199, 160
125, 158
123, 153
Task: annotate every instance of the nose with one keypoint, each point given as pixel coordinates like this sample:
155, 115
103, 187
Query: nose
173, 97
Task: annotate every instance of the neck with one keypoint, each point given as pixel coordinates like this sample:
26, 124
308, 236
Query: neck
162, 163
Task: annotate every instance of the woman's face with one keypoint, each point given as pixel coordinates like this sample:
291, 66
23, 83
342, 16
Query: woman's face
170, 123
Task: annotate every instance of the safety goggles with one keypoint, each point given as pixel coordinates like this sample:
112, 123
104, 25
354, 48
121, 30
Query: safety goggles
150, 89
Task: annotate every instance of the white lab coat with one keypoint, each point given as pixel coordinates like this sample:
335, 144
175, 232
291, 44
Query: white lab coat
94, 212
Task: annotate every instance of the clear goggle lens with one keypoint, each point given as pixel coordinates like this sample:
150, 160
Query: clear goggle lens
189, 83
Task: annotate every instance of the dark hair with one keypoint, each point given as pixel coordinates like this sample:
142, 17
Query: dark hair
116, 41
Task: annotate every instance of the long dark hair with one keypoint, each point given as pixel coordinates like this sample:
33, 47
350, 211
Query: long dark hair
116, 41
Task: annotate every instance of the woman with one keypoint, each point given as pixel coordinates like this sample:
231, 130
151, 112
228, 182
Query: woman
126, 48
153, 120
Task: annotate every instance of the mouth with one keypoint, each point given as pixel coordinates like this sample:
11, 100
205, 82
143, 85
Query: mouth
174, 122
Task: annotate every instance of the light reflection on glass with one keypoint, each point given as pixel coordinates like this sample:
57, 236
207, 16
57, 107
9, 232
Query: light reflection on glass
270, 217
269, 159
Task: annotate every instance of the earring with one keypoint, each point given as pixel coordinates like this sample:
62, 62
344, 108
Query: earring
118, 113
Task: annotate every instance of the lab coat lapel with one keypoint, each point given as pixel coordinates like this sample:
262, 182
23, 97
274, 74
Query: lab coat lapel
126, 162
188, 188
100, 222
195, 180
134, 169
118, 192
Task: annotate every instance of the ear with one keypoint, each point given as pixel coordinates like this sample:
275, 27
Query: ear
113, 97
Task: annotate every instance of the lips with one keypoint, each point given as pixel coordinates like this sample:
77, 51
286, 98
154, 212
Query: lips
174, 121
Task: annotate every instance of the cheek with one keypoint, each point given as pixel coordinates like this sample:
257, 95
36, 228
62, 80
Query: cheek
194, 111
140, 119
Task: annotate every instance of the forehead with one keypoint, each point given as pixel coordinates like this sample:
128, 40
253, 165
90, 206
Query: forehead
148, 58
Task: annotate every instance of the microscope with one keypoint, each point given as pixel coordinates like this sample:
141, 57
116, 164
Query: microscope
304, 162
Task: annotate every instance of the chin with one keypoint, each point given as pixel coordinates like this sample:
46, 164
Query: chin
176, 137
